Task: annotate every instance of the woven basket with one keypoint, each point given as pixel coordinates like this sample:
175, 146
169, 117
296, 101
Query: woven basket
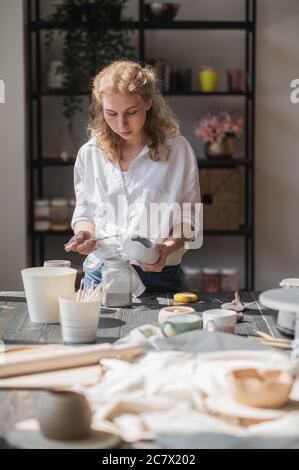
221, 195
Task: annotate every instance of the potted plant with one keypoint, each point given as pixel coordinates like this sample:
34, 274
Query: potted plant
87, 47
219, 130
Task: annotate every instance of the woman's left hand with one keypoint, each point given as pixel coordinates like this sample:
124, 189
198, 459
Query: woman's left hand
159, 265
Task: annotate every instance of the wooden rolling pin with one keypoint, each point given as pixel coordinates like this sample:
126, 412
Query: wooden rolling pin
36, 362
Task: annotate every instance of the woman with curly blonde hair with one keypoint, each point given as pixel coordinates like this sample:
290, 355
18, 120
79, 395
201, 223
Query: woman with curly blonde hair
135, 155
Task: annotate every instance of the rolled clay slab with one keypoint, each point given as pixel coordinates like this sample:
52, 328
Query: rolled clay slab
167, 313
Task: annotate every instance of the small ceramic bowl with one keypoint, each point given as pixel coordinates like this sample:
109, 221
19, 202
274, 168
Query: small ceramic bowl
64, 416
161, 11
167, 313
143, 252
261, 388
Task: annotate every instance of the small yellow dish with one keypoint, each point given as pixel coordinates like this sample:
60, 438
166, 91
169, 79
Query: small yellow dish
185, 297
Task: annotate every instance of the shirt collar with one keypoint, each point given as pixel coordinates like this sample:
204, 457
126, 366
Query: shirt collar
163, 149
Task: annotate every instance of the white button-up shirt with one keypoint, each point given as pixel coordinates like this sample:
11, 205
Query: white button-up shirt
100, 184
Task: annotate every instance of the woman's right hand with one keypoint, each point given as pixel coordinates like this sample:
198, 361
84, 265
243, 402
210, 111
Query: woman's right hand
82, 243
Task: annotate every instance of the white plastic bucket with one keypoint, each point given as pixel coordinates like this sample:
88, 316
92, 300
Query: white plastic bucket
43, 287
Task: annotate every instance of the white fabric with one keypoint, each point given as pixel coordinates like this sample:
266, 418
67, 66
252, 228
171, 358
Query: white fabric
160, 397
97, 182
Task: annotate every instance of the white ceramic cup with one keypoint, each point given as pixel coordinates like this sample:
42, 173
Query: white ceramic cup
219, 320
79, 320
43, 286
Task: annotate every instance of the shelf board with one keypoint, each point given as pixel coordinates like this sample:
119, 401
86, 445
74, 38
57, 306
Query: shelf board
49, 161
210, 93
204, 25
236, 233
212, 25
47, 25
223, 163
242, 232
52, 233
37, 94
202, 163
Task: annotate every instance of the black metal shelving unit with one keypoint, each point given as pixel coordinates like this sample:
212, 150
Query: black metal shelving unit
37, 162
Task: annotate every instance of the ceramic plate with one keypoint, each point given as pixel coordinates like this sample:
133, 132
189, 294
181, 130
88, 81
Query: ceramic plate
27, 435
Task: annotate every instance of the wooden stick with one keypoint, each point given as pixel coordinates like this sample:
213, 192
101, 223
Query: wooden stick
81, 296
90, 291
79, 291
87, 292
272, 340
266, 336
246, 304
95, 293
38, 362
267, 342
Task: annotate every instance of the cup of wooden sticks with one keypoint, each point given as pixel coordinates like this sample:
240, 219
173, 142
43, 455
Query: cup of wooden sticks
79, 314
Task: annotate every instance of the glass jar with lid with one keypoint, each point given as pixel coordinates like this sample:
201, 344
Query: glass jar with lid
230, 280
41, 215
59, 214
118, 274
211, 280
57, 263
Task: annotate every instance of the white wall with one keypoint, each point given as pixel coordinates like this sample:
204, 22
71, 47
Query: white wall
277, 143
12, 146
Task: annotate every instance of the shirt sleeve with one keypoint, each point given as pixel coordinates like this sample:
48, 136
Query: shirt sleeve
190, 202
82, 210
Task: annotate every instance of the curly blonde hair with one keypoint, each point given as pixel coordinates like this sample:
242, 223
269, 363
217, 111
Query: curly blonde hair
126, 76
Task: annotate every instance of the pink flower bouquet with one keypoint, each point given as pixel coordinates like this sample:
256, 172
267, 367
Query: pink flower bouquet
218, 124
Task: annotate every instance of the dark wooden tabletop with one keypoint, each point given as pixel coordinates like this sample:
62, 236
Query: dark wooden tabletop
16, 328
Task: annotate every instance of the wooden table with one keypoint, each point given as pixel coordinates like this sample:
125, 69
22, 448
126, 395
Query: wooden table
16, 328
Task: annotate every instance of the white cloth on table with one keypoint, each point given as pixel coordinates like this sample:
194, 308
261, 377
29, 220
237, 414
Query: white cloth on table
160, 396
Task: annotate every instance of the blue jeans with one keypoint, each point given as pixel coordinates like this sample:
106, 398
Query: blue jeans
170, 278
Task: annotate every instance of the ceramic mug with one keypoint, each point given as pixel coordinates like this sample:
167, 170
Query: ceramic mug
219, 320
